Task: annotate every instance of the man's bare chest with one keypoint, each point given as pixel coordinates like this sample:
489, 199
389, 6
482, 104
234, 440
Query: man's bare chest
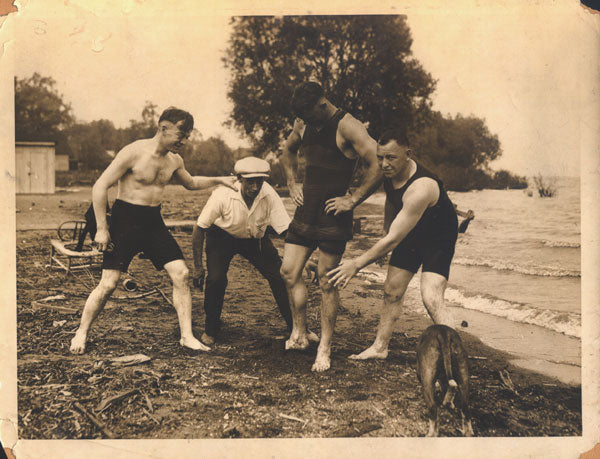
153, 171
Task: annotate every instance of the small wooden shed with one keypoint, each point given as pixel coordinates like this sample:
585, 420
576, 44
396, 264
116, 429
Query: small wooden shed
35, 167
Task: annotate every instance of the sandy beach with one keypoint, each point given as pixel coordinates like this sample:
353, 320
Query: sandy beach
248, 386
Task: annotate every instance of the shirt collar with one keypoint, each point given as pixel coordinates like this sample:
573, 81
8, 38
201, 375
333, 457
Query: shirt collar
261, 194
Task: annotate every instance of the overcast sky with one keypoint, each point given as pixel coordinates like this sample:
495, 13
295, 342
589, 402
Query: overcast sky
517, 68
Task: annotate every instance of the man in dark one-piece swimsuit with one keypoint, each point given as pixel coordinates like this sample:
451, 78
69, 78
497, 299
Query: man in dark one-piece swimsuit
331, 141
422, 228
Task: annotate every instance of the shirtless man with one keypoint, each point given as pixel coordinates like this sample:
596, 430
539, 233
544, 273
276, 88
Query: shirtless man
331, 141
142, 169
421, 227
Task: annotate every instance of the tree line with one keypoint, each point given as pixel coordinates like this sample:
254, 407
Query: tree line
42, 114
365, 65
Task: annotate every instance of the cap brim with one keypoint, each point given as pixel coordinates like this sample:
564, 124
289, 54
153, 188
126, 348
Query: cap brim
254, 174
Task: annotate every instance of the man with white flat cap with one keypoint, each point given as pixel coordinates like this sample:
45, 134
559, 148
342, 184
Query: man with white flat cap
236, 222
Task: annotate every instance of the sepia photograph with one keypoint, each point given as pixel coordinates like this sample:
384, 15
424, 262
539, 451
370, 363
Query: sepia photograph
245, 222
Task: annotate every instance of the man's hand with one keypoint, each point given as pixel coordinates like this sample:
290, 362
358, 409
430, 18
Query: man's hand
230, 182
339, 204
296, 193
198, 278
102, 241
341, 275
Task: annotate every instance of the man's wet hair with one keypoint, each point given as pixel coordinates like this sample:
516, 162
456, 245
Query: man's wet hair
175, 115
397, 133
306, 95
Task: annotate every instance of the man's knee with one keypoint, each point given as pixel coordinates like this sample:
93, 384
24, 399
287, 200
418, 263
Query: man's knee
289, 274
180, 275
393, 293
107, 286
432, 297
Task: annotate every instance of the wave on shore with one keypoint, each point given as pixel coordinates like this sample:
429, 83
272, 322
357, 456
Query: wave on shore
562, 244
566, 322
546, 271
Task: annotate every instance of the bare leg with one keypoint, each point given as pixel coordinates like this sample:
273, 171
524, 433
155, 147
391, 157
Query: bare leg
433, 286
394, 288
329, 305
94, 304
294, 259
182, 301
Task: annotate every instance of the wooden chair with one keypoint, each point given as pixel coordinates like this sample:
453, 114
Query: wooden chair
70, 252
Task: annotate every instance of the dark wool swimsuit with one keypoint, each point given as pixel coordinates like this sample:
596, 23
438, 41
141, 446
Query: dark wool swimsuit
134, 229
431, 242
327, 175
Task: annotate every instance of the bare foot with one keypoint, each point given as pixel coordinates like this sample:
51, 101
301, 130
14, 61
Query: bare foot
78, 342
313, 337
370, 353
433, 429
192, 343
297, 342
322, 362
207, 339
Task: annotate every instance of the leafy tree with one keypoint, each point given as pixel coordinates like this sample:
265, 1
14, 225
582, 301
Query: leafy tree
91, 141
40, 112
363, 62
208, 157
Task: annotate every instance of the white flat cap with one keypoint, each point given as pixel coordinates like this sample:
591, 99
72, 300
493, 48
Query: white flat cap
252, 166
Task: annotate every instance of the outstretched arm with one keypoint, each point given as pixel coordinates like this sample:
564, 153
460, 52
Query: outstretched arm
200, 182
419, 196
289, 160
356, 135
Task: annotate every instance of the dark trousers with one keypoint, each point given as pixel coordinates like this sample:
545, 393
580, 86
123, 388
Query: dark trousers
220, 249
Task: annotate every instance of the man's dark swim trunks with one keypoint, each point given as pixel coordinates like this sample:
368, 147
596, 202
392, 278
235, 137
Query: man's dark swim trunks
135, 229
327, 175
431, 242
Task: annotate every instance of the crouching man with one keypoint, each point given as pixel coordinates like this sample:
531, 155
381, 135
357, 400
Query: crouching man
235, 222
421, 226
142, 169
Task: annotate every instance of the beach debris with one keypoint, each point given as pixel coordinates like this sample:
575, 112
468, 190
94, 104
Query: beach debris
58, 323
464, 324
94, 420
127, 360
150, 415
231, 432
477, 357
149, 403
61, 309
164, 296
130, 285
292, 418
95, 378
379, 411
355, 430
250, 377
115, 398
505, 378
53, 298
